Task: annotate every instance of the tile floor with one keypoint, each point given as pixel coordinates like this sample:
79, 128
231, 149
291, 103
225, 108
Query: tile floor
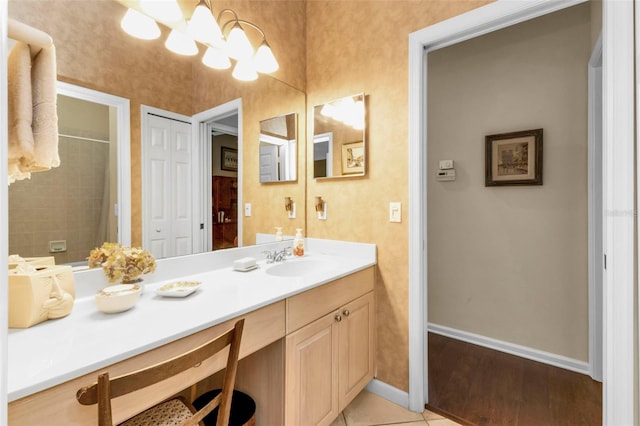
368, 409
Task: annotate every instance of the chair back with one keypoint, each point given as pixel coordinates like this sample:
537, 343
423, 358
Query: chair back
106, 388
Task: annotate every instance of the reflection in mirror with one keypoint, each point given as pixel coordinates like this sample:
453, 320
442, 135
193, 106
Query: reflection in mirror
67, 211
146, 73
339, 144
278, 148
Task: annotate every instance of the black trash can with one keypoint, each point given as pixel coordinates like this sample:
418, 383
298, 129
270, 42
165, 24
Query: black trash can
243, 408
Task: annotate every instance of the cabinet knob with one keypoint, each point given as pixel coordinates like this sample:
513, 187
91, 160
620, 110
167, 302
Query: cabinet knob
346, 312
158, 230
338, 317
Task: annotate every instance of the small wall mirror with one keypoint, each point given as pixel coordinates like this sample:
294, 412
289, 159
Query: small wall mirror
278, 148
339, 144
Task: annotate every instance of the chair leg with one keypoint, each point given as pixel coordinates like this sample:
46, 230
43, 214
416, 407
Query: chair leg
104, 400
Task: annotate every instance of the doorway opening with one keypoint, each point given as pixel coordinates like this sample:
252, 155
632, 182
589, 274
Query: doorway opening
618, 186
219, 134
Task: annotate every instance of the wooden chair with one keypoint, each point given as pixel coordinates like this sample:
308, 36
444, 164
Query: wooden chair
182, 412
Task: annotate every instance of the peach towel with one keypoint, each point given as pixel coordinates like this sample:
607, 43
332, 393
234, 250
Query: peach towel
33, 117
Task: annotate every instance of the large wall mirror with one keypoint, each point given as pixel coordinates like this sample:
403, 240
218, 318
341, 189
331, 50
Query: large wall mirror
339, 145
68, 210
278, 149
146, 73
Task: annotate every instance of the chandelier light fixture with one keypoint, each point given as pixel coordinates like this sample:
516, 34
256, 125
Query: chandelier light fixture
224, 40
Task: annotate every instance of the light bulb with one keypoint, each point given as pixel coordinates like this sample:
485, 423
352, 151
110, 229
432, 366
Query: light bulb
203, 26
266, 63
245, 71
162, 10
328, 110
181, 44
238, 46
139, 25
216, 58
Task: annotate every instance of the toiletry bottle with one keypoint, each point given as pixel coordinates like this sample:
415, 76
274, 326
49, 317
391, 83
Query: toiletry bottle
298, 243
278, 233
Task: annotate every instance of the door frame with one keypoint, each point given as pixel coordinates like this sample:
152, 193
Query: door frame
596, 211
123, 143
201, 131
618, 83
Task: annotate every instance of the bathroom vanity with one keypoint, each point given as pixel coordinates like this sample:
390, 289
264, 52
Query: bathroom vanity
307, 348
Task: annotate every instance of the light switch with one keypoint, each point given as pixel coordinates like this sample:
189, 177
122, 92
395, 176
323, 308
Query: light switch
395, 212
247, 209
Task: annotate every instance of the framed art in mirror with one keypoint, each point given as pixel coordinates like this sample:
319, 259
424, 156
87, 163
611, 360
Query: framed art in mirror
353, 158
228, 159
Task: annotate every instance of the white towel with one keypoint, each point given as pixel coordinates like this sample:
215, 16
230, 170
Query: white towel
45, 113
20, 114
33, 117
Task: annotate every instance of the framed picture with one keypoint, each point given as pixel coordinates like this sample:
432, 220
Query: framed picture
353, 158
228, 159
514, 158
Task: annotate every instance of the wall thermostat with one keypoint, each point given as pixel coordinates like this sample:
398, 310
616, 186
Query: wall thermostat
446, 172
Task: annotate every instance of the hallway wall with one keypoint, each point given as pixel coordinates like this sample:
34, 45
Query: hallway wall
510, 263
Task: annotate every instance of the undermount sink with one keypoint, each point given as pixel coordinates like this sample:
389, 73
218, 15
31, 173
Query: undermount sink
299, 267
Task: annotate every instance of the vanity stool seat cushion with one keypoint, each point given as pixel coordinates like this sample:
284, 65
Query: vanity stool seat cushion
243, 408
169, 413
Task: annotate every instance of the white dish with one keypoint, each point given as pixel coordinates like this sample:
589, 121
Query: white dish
117, 298
178, 289
250, 268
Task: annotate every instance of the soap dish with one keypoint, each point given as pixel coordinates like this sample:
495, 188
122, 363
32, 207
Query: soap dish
245, 264
247, 269
178, 289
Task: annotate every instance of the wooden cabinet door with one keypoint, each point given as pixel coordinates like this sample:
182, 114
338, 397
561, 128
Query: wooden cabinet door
356, 364
311, 393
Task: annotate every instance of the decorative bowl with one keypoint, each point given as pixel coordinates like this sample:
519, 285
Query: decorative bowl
117, 298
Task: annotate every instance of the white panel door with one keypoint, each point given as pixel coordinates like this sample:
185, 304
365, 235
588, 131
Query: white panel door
158, 157
167, 187
181, 188
269, 163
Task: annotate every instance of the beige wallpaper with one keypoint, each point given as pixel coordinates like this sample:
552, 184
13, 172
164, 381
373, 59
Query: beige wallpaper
510, 263
355, 47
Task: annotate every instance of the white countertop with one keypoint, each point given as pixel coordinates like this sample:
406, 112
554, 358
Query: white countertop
55, 351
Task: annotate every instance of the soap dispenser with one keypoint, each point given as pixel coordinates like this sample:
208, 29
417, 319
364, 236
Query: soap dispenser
298, 243
278, 233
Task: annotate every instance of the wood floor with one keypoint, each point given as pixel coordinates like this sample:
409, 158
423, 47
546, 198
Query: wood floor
479, 386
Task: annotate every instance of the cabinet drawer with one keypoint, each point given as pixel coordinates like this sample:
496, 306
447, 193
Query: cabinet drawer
311, 305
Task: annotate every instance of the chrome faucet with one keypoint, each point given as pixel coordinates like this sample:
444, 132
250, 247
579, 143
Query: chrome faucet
277, 255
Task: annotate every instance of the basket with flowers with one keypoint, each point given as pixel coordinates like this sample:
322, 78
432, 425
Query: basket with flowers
120, 263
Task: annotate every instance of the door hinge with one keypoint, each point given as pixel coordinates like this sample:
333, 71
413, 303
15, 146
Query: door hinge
202, 226
605, 261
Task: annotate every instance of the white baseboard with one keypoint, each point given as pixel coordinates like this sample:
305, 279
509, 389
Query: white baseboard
388, 392
513, 349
